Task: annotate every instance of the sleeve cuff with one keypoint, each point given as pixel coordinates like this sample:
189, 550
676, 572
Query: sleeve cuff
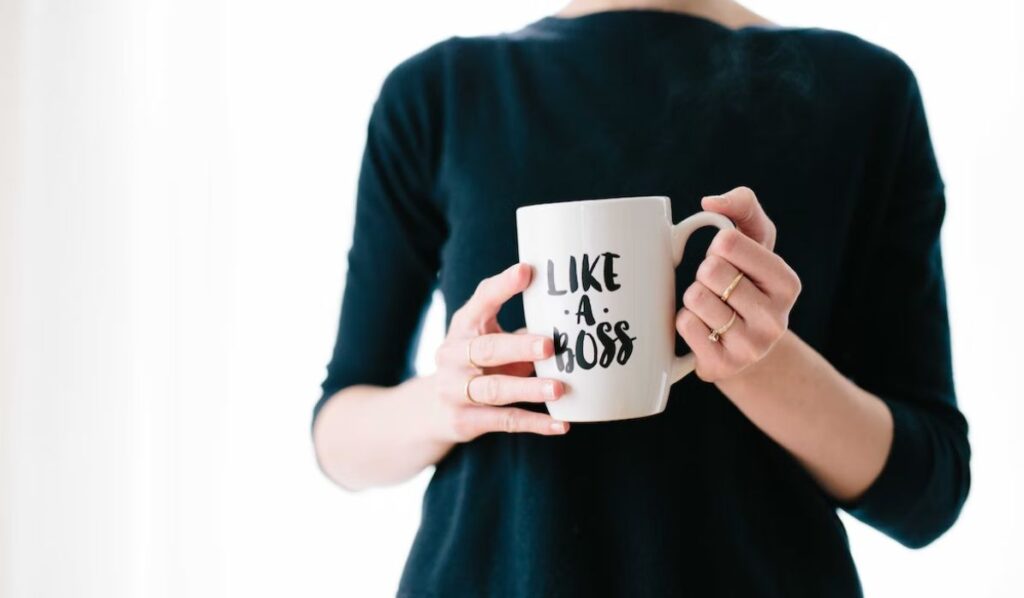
324, 397
889, 502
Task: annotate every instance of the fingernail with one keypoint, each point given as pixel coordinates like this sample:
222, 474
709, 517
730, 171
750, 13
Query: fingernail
538, 348
549, 389
560, 427
718, 199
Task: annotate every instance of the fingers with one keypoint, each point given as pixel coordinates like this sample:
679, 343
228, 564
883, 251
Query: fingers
487, 413
521, 368
743, 208
460, 387
475, 404
500, 348
504, 390
474, 421
716, 274
765, 269
741, 343
490, 295
762, 300
711, 309
695, 332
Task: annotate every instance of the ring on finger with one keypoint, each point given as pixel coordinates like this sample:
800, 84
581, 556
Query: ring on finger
469, 395
732, 287
718, 332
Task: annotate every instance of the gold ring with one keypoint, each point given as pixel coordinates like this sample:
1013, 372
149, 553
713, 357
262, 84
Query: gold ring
469, 354
732, 287
718, 332
469, 395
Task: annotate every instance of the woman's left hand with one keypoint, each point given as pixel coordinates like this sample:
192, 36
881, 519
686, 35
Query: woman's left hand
761, 299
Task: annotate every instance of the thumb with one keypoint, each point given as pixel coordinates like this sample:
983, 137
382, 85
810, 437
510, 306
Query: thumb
742, 207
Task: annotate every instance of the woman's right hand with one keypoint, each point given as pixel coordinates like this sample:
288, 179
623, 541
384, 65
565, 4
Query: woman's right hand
481, 369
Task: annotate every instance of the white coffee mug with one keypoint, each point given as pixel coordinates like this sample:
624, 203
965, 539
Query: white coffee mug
604, 288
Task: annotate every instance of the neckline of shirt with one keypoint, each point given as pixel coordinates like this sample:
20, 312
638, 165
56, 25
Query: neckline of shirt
621, 18
614, 18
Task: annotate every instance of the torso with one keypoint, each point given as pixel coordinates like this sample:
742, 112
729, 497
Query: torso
696, 499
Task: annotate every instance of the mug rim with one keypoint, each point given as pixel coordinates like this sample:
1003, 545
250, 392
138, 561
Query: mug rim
563, 204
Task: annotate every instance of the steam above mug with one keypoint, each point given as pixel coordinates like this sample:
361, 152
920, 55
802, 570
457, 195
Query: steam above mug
604, 289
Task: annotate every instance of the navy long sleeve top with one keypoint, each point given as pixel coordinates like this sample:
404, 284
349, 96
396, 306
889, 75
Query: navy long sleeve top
830, 132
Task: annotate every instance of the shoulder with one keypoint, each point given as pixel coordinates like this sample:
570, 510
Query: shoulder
848, 50
435, 80
415, 74
862, 82
846, 61
436, 60
426, 74
838, 71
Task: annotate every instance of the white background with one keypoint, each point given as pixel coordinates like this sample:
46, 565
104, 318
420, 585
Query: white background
176, 193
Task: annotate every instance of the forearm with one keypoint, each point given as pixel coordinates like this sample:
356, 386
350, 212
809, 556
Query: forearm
839, 432
371, 436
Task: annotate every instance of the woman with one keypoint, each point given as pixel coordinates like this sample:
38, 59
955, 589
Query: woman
841, 399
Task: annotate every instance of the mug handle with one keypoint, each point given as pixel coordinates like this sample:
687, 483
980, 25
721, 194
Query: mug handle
681, 231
